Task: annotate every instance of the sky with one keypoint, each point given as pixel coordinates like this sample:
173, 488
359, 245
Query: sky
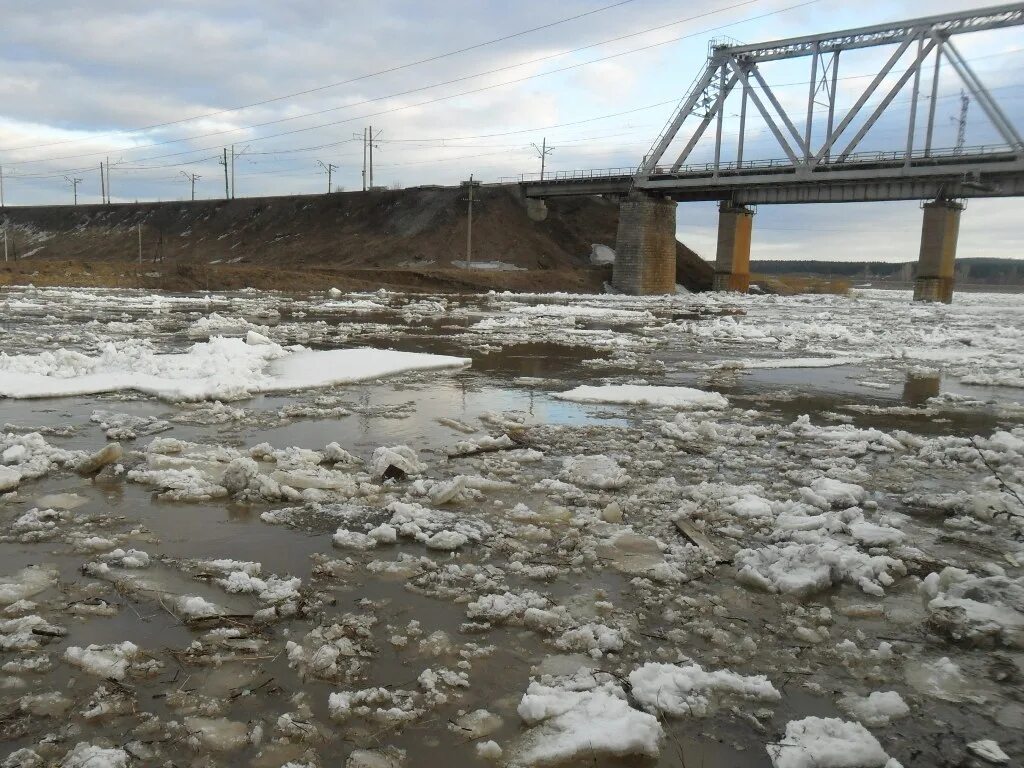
162, 89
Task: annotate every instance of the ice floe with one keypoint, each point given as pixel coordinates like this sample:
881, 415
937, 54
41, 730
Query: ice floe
221, 369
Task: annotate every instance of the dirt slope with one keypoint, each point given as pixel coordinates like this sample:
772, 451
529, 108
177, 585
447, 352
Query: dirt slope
376, 234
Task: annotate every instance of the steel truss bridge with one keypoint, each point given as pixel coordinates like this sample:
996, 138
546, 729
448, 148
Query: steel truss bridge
824, 163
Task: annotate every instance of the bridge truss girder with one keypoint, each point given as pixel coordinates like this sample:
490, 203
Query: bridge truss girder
733, 70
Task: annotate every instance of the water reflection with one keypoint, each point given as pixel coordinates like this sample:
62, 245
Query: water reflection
919, 387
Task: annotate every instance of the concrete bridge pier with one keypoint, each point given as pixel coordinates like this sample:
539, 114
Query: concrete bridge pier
645, 246
732, 261
936, 261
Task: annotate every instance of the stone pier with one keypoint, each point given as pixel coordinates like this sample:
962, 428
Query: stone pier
645, 247
938, 251
732, 261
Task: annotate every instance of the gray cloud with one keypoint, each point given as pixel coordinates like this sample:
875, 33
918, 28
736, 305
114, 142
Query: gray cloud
82, 74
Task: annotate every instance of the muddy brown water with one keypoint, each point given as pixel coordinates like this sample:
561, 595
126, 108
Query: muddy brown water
405, 410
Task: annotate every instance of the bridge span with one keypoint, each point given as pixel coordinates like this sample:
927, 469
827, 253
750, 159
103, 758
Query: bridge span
822, 160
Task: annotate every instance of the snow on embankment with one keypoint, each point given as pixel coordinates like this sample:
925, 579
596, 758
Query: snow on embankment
222, 369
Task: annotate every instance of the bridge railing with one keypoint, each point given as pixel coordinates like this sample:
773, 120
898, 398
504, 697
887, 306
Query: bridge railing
577, 175
919, 157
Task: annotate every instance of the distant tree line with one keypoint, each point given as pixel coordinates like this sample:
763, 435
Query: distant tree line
977, 270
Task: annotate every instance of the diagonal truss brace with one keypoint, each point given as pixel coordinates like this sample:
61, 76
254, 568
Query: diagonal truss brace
932, 39
715, 110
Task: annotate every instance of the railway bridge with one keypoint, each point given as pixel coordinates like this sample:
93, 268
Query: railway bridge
821, 158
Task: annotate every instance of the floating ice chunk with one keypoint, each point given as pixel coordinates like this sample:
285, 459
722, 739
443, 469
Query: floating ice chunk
988, 749
126, 426
388, 757
838, 494
803, 569
872, 535
190, 484
446, 540
476, 724
27, 633
582, 718
401, 457
595, 639
9, 478
667, 689
26, 583
222, 369
325, 368
357, 306
575, 310
377, 704
216, 324
272, 590
845, 439
132, 558
194, 607
420, 523
16, 454
598, 471
827, 742
448, 491
383, 534
976, 609
109, 454
216, 733
239, 474
335, 453
85, 755
346, 539
504, 608
254, 338
107, 661
941, 678
489, 750
483, 444
875, 709
750, 506
684, 398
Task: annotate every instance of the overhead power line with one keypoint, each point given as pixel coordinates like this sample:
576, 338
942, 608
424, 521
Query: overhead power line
316, 89
448, 97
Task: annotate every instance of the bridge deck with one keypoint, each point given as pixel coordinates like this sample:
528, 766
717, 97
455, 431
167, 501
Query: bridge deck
989, 171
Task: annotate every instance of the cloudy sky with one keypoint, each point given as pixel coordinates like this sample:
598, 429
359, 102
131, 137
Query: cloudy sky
162, 88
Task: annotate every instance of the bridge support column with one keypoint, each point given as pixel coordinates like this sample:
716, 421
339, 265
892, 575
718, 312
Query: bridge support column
732, 262
645, 247
938, 251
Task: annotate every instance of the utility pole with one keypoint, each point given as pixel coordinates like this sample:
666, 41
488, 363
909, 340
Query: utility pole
192, 178
364, 157
372, 139
329, 167
74, 182
224, 162
543, 152
961, 127
140, 242
471, 185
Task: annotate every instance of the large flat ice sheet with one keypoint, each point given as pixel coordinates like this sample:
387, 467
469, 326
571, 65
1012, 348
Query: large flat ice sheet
221, 369
634, 394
